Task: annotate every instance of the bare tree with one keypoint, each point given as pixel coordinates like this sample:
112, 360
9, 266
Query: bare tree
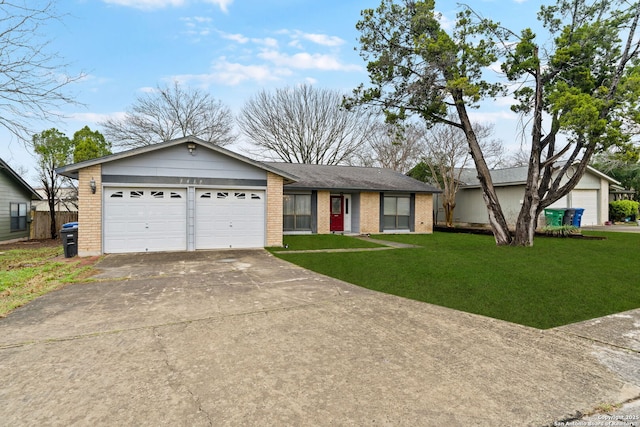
171, 112
393, 147
32, 79
446, 154
304, 125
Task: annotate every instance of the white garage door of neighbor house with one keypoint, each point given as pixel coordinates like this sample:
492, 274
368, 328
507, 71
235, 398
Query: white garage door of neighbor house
588, 200
229, 219
145, 219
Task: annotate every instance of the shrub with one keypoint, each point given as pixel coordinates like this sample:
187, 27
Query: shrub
561, 231
621, 209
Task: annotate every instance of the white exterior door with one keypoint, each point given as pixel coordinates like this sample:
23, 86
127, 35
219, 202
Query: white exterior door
138, 219
229, 219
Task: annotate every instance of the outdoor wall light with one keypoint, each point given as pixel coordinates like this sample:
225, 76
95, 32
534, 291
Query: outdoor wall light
191, 147
92, 184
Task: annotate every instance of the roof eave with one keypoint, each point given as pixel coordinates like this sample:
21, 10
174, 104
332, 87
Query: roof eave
18, 178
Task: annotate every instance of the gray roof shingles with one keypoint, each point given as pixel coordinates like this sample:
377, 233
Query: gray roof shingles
349, 178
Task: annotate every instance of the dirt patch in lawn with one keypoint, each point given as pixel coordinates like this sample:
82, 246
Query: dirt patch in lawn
33, 268
31, 244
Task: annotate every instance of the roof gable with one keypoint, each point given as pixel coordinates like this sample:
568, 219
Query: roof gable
13, 176
338, 178
514, 176
72, 170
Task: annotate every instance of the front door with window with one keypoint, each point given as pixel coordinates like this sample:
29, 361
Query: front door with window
337, 213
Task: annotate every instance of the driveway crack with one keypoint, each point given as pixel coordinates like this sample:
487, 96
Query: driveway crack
174, 381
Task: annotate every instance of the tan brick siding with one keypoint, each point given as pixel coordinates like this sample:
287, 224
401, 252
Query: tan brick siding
90, 212
369, 212
275, 184
424, 213
324, 212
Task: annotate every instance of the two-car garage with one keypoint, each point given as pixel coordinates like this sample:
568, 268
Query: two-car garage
180, 195
151, 219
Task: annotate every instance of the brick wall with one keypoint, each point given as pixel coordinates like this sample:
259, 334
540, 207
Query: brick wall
90, 212
369, 212
275, 185
424, 213
324, 212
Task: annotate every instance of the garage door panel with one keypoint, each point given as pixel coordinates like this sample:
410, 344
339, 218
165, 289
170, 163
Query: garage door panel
144, 219
587, 200
229, 219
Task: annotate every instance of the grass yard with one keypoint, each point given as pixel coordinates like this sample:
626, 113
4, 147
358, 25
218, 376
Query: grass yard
556, 282
28, 273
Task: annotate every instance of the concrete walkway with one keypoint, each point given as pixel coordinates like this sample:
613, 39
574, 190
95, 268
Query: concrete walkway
614, 228
243, 338
386, 246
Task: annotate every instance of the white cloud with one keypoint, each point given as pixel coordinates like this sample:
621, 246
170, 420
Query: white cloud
222, 4
95, 117
268, 41
239, 38
322, 39
233, 73
161, 4
492, 117
307, 61
445, 23
147, 4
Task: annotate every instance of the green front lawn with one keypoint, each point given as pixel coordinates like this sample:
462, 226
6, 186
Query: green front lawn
558, 281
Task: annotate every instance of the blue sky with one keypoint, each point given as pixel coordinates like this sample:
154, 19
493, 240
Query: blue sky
231, 48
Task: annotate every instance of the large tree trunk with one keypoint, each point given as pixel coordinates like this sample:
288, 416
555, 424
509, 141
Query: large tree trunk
527, 219
448, 212
497, 220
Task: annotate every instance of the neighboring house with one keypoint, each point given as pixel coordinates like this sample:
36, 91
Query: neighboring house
15, 205
591, 194
618, 192
66, 201
187, 194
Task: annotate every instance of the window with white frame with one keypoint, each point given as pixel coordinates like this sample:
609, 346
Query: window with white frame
18, 214
297, 212
397, 212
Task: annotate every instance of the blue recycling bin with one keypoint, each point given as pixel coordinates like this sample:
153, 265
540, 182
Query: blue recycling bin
70, 225
577, 217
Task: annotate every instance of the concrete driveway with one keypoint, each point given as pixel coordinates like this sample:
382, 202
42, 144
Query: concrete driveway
242, 338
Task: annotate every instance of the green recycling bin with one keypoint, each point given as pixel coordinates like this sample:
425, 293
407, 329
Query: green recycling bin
554, 217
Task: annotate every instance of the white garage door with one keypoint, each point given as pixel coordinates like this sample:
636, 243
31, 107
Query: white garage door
145, 219
588, 200
229, 219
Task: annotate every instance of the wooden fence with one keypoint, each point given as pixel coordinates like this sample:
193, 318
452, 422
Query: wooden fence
41, 223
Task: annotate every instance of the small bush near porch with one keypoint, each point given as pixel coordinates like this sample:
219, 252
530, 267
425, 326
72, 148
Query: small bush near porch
557, 282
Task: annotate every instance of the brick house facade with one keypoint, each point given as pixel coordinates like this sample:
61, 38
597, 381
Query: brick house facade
187, 194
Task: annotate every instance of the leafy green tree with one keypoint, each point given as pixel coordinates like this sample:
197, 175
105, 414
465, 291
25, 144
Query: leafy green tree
89, 145
53, 149
622, 165
587, 83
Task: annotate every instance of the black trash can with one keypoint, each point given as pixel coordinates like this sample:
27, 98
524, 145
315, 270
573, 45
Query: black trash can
69, 237
567, 219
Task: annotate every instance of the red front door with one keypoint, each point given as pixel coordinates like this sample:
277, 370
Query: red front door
337, 213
